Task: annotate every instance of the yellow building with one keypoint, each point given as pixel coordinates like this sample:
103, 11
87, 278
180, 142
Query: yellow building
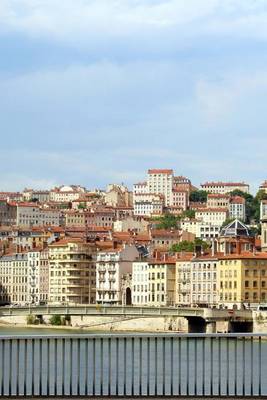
75, 218
161, 282
72, 272
242, 278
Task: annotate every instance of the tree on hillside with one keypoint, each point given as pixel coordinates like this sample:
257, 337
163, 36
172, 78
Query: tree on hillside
198, 196
188, 246
167, 221
188, 214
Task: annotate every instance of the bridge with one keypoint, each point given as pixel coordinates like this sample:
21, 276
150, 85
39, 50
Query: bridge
199, 319
134, 365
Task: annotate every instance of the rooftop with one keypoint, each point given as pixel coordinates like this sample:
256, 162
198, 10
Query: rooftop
234, 229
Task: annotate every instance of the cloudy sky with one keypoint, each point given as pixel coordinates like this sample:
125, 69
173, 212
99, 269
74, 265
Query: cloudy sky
97, 91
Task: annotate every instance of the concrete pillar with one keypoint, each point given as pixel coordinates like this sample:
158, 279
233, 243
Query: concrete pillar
211, 327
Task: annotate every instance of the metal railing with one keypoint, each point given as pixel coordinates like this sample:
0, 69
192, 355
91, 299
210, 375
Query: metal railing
134, 365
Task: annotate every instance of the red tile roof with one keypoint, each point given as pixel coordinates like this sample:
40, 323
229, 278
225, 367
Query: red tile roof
160, 171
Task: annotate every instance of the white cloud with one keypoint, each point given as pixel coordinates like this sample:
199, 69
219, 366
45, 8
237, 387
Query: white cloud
85, 21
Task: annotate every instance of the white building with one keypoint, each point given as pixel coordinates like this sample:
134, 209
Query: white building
160, 181
148, 204
208, 231
213, 216
141, 187
224, 187
66, 193
30, 214
204, 280
38, 276
110, 266
24, 277
191, 225
140, 283
237, 208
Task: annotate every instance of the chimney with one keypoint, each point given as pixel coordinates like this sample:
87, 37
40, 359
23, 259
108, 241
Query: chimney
198, 250
238, 246
213, 247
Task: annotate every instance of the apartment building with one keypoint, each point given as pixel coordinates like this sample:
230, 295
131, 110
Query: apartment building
180, 198
38, 276
74, 218
218, 200
100, 216
140, 283
200, 229
148, 204
27, 214
182, 183
111, 265
183, 280
237, 208
203, 280
118, 196
224, 187
66, 194
161, 281
24, 277
136, 224
140, 187
42, 196
207, 231
242, 278
72, 275
163, 239
212, 216
160, 181
11, 196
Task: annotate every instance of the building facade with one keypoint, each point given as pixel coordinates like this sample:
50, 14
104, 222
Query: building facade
72, 272
224, 187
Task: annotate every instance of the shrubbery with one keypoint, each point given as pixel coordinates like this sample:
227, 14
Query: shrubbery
56, 320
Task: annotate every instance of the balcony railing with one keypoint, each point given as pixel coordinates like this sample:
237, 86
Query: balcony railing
134, 365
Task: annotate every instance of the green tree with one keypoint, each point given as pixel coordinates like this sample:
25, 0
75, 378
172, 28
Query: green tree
55, 320
167, 221
198, 196
81, 206
189, 214
189, 246
31, 319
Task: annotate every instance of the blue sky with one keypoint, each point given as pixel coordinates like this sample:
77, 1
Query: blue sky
98, 91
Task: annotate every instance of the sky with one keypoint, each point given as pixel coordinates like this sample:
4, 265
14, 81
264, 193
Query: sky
97, 91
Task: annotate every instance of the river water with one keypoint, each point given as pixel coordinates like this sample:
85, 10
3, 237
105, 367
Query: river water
104, 364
